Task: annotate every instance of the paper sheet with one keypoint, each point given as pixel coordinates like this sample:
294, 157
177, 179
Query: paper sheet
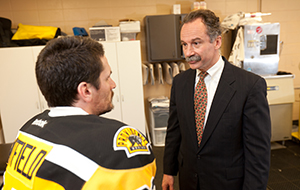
159, 73
168, 74
175, 69
181, 67
145, 72
151, 73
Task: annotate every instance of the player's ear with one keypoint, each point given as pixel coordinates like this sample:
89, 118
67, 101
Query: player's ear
84, 91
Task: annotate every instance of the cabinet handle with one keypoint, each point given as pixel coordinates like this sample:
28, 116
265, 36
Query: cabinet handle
117, 97
122, 98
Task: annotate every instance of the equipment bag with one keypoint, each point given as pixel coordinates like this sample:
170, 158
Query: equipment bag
6, 33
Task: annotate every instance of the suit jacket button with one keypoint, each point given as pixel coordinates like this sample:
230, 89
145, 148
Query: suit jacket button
198, 156
196, 175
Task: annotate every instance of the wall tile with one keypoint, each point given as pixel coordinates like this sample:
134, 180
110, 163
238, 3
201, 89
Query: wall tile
163, 9
123, 13
5, 5
276, 5
46, 4
26, 17
233, 1
145, 2
252, 6
24, 5
290, 48
51, 15
75, 4
100, 3
139, 13
99, 13
186, 6
216, 6
124, 3
75, 15
235, 6
292, 37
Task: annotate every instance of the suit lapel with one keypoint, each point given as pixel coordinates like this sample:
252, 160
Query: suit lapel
188, 97
222, 97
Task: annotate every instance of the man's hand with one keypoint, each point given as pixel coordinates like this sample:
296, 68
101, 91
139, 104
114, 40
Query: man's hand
168, 182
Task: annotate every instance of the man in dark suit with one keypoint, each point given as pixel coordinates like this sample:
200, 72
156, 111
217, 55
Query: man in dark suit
231, 150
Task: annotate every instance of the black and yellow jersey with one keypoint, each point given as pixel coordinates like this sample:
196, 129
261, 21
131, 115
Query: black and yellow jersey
79, 152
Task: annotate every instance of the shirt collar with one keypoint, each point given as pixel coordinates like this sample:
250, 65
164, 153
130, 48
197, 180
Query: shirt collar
214, 69
66, 111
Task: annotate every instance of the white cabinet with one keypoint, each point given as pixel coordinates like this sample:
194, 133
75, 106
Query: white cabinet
19, 93
20, 98
281, 98
125, 61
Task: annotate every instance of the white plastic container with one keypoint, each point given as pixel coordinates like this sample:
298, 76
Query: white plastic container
158, 116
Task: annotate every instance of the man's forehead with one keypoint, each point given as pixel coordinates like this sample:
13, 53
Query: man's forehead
192, 40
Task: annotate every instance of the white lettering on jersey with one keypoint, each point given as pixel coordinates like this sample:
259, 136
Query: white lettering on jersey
40, 123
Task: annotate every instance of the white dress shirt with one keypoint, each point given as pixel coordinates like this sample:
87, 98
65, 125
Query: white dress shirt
211, 82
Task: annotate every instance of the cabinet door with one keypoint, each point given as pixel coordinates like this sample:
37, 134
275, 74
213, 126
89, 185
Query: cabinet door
163, 37
131, 87
42, 103
19, 100
111, 55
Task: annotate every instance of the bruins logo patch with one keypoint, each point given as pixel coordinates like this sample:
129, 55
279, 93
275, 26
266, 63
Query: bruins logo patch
131, 141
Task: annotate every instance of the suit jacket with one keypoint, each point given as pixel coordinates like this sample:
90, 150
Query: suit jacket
234, 153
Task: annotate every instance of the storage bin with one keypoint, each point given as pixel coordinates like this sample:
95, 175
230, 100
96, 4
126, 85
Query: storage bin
161, 119
158, 115
159, 136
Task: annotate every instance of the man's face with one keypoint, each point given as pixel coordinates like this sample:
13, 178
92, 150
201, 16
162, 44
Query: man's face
102, 98
197, 48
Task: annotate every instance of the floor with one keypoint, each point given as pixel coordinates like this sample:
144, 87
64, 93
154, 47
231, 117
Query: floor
284, 171
285, 167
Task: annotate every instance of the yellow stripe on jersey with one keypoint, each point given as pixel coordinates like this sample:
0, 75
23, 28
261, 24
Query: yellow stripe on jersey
25, 159
127, 179
38, 184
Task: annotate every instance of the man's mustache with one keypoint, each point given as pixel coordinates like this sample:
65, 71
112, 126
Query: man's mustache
193, 58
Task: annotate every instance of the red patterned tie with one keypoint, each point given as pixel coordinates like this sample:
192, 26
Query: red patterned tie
200, 101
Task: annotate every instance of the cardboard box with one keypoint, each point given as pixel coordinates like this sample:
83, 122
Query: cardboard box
105, 33
130, 26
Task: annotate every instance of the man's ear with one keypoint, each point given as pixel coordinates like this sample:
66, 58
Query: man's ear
218, 42
84, 91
